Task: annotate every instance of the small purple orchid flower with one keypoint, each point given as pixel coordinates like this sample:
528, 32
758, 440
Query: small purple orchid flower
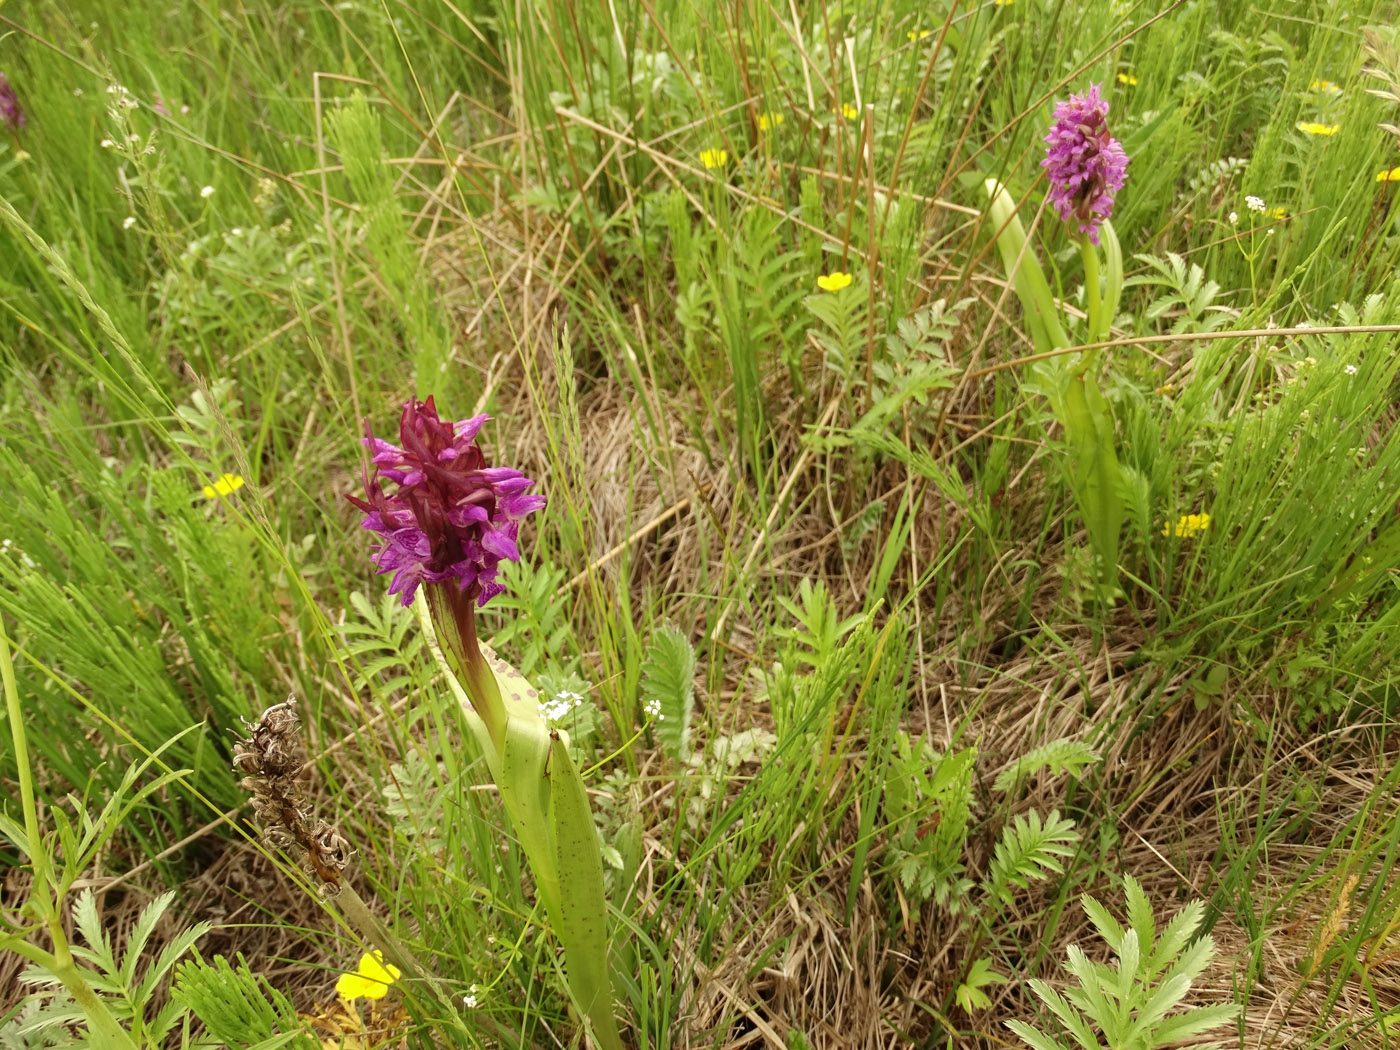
10, 113
1086, 165
447, 524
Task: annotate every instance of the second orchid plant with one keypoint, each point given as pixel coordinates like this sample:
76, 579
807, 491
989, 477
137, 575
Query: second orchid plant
1086, 167
446, 520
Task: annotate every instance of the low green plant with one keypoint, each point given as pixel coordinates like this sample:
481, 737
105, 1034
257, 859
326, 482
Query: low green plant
1129, 1006
112, 995
929, 804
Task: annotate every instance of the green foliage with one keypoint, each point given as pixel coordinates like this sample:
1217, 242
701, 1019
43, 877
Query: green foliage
842, 335
238, 1008
970, 995
1131, 1003
129, 984
668, 688
1186, 294
928, 801
42, 1023
819, 627
1058, 756
501, 204
1031, 848
382, 644
528, 620
354, 129
915, 364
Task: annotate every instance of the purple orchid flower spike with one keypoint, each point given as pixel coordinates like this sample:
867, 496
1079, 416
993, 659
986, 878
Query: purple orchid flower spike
446, 522
1086, 165
11, 115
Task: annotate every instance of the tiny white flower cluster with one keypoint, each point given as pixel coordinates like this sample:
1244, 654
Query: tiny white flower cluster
652, 709
121, 98
1350, 370
472, 999
1234, 218
122, 137
207, 192
558, 707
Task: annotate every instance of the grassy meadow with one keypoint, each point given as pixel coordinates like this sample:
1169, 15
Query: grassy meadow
881, 656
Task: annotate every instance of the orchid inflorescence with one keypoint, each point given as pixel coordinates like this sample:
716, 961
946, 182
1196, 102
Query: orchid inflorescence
1086, 164
11, 115
450, 517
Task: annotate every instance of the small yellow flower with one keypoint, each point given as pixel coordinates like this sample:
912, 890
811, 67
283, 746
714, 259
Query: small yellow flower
849, 111
1312, 128
1127, 78
1166, 389
1002, 3
371, 981
225, 486
1393, 175
834, 281
1277, 213
1187, 525
769, 121
1324, 87
714, 158
918, 34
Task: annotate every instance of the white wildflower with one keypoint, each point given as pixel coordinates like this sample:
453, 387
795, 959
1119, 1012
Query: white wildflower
1255, 203
557, 708
1350, 370
1234, 218
129, 222
207, 192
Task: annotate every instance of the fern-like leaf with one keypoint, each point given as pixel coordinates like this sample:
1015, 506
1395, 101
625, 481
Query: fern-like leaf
238, 1008
1030, 848
1059, 756
668, 688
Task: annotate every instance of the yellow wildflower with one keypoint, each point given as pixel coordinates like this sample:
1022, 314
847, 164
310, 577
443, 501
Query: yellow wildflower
1324, 87
714, 158
849, 111
1127, 78
834, 281
1187, 525
918, 34
370, 981
225, 486
1393, 175
769, 121
1002, 3
1166, 389
1277, 213
1310, 127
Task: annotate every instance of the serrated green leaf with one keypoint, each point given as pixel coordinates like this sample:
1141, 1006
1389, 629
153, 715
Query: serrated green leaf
668, 686
1059, 756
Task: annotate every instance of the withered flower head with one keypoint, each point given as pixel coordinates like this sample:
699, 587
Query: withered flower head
271, 759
